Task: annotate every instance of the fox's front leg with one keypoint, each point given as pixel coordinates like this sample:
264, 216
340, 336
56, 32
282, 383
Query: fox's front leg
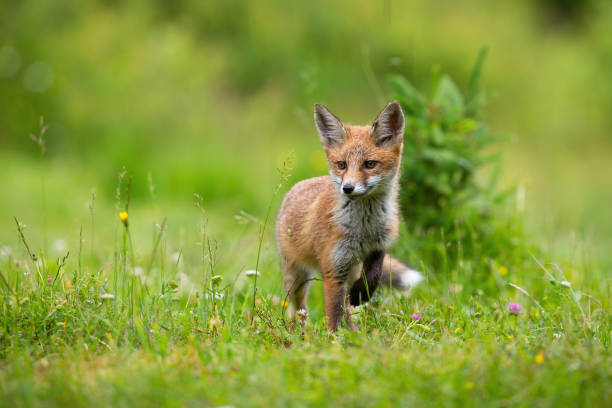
334, 291
363, 288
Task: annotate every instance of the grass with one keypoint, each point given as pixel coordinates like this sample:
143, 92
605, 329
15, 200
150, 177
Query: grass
206, 98
169, 320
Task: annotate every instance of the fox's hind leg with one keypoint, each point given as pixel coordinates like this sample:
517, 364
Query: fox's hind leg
296, 280
364, 287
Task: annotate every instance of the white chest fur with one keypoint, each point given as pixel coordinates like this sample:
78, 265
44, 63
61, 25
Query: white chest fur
366, 224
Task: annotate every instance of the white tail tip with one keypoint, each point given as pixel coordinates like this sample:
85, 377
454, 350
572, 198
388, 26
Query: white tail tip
409, 278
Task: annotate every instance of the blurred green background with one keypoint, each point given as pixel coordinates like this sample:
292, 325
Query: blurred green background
211, 97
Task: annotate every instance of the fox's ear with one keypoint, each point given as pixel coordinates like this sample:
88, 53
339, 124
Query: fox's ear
329, 126
388, 128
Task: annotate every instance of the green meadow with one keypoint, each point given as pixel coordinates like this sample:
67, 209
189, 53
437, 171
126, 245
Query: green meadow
145, 148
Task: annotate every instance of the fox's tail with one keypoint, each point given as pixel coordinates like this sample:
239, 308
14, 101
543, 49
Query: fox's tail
398, 275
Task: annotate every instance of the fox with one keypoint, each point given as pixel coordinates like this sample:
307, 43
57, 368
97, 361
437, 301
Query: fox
343, 223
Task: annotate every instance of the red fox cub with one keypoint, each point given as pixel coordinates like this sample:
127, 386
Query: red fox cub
338, 223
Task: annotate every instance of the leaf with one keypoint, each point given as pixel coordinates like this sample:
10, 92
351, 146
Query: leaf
466, 125
409, 97
448, 98
474, 84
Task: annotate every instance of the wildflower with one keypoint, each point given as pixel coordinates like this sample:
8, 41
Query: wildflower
502, 270
457, 330
469, 385
123, 216
514, 308
284, 304
215, 280
175, 257
251, 273
302, 313
539, 358
416, 316
214, 322
5, 251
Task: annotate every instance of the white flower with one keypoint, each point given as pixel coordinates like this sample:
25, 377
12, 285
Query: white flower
5, 251
138, 271
177, 259
185, 282
60, 246
251, 272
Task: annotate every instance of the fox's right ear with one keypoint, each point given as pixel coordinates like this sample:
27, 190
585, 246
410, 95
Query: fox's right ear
388, 128
330, 127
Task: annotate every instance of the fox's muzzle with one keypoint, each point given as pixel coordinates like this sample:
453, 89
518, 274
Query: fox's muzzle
354, 190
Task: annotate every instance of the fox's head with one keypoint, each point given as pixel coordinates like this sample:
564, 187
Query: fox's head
363, 160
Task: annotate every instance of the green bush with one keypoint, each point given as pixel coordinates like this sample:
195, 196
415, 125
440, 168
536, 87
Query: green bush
448, 209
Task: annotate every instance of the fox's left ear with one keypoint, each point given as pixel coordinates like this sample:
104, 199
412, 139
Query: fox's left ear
388, 128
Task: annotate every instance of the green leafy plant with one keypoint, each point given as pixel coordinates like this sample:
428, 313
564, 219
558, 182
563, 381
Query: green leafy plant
443, 198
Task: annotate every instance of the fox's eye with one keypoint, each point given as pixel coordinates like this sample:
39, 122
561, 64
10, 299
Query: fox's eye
341, 165
370, 164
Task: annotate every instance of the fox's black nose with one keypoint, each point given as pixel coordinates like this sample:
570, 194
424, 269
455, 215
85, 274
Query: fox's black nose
348, 188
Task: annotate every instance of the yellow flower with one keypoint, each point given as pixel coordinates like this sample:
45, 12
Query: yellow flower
539, 358
457, 330
284, 304
469, 385
502, 270
123, 216
214, 322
